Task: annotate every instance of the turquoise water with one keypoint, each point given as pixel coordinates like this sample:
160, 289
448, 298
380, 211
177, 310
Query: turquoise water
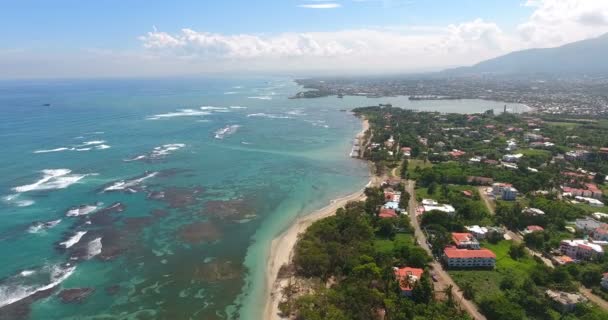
181, 183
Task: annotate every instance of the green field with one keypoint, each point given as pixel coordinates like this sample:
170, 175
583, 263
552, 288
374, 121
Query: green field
387, 245
565, 125
487, 282
413, 163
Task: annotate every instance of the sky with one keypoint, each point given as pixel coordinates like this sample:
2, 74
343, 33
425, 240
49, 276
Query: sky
133, 38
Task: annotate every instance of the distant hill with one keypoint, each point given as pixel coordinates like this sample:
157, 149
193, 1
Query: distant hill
583, 57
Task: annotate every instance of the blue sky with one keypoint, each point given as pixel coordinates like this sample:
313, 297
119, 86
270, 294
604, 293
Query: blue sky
239, 35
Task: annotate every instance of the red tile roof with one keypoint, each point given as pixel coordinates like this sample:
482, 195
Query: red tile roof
453, 252
387, 213
461, 237
402, 275
534, 228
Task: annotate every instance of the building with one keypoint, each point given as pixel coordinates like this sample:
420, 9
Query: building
604, 282
463, 258
509, 194
580, 249
565, 301
600, 215
533, 212
512, 157
498, 187
587, 225
392, 205
601, 233
561, 260
387, 213
533, 228
483, 232
465, 241
407, 278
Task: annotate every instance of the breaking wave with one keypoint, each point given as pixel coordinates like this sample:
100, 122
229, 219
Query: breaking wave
82, 210
29, 282
73, 239
269, 116
52, 179
41, 226
180, 113
261, 97
226, 131
128, 185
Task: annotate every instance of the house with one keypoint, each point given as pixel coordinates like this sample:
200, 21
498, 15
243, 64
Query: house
480, 180
392, 205
477, 231
533, 228
512, 157
390, 142
587, 224
430, 205
406, 151
601, 233
387, 213
564, 301
509, 194
407, 277
577, 155
498, 187
456, 153
600, 215
533, 212
580, 249
465, 241
463, 258
590, 201
604, 282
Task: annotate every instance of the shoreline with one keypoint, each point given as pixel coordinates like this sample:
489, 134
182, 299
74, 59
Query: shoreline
282, 246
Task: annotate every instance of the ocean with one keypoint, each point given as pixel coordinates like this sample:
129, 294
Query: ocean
158, 198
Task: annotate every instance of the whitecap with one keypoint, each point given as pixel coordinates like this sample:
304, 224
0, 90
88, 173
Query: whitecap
94, 248
41, 226
83, 149
226, 131
230, 92
94, 142
128, 184
261, 97
52, 150
82, 210
237, 107
180, 113
21, 286
135, 158
14, 199
73, 239
102, 147
52, 179
269, 116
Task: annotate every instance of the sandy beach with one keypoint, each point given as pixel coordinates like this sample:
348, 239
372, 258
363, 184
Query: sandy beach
281, 250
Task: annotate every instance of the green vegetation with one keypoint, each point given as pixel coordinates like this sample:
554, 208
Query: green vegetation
352, 251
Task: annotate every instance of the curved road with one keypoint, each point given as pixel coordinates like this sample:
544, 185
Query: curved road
444, 279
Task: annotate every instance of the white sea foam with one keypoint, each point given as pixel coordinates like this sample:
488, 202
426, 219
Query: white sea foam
237, 107
102, 147
94, 142
73, 239
15, 199
41, 226
53, 150
142, 157
128, 184
166, 149
83, 149
29, 282
81, 210
261, 97
230, 92
180, 113
269, 116
94, 248
52, 179
296, 112
226, 131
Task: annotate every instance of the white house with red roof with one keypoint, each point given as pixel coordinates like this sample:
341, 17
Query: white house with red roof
465, 241
464, 258
407, 278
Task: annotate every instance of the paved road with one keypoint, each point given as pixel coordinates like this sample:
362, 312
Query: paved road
444, 279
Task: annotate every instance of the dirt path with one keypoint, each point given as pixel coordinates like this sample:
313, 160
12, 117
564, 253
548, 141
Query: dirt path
489, 203
443, 278
593, 298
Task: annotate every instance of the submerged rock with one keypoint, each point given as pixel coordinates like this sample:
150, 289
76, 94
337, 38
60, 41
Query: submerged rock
237, 209
199, 232
76, 295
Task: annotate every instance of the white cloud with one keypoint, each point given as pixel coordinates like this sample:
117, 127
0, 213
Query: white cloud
320, 6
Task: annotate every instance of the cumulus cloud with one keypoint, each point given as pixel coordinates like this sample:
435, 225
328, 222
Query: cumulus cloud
555, 22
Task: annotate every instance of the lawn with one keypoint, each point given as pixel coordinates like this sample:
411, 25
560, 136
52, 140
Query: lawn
386, 245
565, 125
413, 163
487, 282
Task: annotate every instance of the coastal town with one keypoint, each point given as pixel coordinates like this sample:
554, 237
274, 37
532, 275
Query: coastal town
480, 216
568, 95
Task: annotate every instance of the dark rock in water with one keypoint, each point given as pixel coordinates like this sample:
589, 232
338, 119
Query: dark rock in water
168, 173
112, 290
199, 232
178, 197
20, 310
237, 209
76, 295
135, 224
159, 213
